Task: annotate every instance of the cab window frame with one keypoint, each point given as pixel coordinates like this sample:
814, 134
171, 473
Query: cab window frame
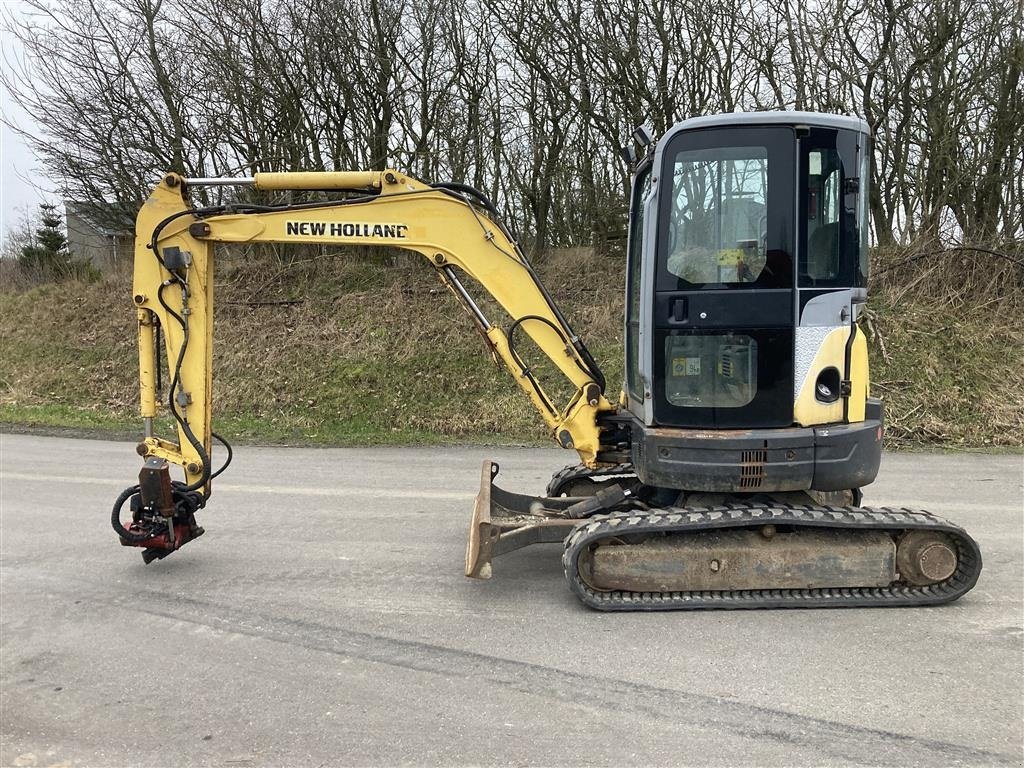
634, 277
778, 142
849, 272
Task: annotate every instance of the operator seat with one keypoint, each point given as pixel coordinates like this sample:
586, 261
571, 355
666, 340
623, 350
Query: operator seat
823, 252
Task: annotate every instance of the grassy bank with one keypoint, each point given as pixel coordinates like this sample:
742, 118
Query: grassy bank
364, 351
359, 352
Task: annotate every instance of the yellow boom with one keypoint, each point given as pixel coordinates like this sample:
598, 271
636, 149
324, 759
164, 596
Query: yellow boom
173, 290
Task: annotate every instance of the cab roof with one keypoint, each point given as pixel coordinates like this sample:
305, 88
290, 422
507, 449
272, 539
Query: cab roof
777, 117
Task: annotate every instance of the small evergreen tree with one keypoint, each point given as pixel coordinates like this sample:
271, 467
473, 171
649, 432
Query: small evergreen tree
48, 255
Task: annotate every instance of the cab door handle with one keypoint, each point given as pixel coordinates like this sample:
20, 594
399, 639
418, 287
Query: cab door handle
679, 311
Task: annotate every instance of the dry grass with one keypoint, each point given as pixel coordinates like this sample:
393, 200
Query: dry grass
374, 349
947, 345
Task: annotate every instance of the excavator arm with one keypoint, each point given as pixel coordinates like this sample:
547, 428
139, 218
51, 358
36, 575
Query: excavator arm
454, 227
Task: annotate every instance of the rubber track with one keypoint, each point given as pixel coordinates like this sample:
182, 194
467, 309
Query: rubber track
574, 472
671, 520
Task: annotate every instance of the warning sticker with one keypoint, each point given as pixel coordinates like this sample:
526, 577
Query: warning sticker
686, 366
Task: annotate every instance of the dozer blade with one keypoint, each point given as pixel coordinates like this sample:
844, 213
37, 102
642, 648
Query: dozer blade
504, 521
769, 556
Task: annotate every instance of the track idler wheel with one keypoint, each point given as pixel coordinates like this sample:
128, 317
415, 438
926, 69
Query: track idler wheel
925, 557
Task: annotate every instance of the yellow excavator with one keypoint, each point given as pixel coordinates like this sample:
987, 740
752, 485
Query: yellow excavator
727, 473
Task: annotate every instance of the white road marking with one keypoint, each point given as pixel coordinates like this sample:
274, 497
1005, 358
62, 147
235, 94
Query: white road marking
378, 493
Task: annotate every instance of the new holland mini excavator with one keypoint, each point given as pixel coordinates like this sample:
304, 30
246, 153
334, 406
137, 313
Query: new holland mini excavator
727, 474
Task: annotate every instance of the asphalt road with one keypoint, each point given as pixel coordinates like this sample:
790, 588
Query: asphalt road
324, 620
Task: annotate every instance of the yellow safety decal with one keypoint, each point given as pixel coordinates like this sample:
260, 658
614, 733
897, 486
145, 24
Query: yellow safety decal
686, 366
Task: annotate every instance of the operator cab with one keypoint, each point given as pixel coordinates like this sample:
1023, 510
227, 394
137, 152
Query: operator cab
747, 265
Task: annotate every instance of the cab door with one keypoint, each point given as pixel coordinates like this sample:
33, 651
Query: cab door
724, 298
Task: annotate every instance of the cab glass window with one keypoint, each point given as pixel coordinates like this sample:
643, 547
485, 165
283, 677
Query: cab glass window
710, 370
824, 183
833, 208
862, 213
718, 217
635, 257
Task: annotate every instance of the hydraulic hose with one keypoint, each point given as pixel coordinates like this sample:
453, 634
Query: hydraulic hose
466, 189
115, 518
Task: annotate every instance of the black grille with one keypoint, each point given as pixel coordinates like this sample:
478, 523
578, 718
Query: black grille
752, 469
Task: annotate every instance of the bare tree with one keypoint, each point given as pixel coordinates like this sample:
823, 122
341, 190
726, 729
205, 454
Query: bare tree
527, 101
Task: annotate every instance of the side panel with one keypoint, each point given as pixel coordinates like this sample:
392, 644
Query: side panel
817, 349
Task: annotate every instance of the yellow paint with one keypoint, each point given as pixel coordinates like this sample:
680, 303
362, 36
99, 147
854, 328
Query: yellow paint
162, 449
406, 214
860, 379
807, 410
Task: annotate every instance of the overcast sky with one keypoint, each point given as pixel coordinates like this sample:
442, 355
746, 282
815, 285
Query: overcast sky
22, 187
